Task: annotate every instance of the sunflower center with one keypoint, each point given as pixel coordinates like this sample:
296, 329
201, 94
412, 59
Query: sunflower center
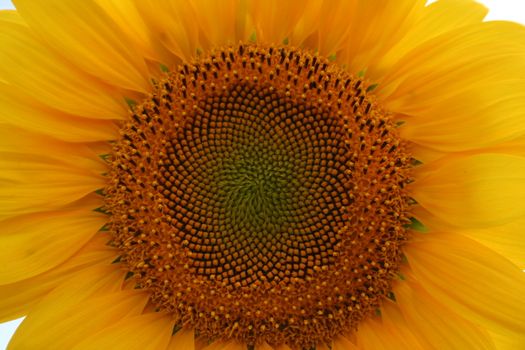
258, 194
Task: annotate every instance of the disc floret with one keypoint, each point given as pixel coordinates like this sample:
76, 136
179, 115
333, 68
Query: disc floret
259, 194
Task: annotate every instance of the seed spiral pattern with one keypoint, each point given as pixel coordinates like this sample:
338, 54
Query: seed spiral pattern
259, 195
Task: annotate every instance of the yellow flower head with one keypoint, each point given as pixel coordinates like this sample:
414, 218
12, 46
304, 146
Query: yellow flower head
258, 175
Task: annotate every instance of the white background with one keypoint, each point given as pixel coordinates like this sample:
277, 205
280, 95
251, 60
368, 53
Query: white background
513, 10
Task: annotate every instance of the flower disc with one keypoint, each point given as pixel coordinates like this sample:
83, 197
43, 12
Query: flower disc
258, 194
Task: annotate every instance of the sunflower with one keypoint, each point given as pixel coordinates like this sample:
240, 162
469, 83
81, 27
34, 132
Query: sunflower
262, 175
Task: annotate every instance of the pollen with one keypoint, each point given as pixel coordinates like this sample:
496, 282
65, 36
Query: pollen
259, 194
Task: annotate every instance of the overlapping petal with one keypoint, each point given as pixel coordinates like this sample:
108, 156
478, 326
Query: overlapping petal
463, 89
436, 326
150, 331
30, 66
89, 38
470, 279
17, 299
37, 242
64, 302
473, 191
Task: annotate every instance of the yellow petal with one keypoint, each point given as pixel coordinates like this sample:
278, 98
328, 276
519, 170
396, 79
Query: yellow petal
508, 343
373, 335
507, 240
341, 343
175, 24
321, 346
28, 65
146, 332
265, 346
374, 27
50, 325
84, 34
424, 154
34, 243
305, 32
24, 112
268, 17
472, 118
37, 183
433, 323
463, 89
333, 23
41, 173
79, 156
222, 22
475, 191
390, 330
17, 299
126, 15
437, 18
392, 317
461, 48
184, 339
515, 146
98, 280
443, 16
471, 279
